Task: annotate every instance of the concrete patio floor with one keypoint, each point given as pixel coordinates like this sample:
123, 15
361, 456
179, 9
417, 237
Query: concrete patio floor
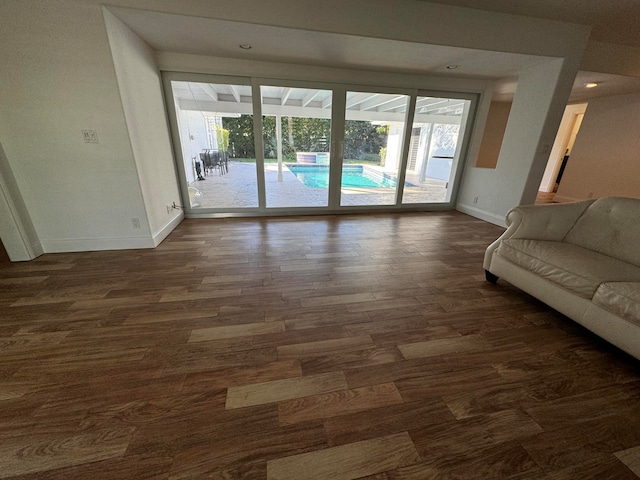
237, 189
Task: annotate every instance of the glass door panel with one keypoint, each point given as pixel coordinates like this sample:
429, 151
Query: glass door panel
296, 127
373, 138
434, 149
215, 124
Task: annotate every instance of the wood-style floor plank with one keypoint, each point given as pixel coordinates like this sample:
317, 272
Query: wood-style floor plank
36, 454
347, 462
338, 403
279, 390
631, 458
231, 331
364, 347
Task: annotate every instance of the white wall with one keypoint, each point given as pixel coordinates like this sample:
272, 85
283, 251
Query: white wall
58, 79
17, 232
536, 111
141, 91
605, 160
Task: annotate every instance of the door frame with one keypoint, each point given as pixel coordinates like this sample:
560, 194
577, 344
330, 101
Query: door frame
338, 114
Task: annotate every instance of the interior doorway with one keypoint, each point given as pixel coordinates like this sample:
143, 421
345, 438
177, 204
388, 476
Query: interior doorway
561, 151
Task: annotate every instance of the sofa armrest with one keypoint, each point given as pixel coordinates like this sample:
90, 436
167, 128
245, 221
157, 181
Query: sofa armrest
539, 222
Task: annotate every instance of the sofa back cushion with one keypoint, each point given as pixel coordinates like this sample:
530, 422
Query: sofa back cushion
610, 226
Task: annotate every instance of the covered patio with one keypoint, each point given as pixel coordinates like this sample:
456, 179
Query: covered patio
219, 117
236, 189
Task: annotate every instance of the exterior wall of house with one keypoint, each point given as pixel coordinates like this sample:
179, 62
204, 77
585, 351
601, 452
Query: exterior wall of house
394, 147
604, 160
194, 139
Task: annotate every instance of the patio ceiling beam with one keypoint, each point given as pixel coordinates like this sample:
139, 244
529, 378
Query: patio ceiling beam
310, 97
392, 117
327, 102
358, 98
427, 102
399, 102
209, 90
285, 95
380, 100
232, 108
296, 111
449, 105
235, 93
220, 108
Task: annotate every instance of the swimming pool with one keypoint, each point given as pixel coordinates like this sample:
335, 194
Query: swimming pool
354, 176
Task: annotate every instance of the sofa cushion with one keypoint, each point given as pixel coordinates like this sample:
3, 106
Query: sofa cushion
610, 226
574, 268
621, 299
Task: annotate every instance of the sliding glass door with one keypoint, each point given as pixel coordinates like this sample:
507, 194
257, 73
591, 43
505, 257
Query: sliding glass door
373, 139
434, 150
252, 146
218, 158
296, 126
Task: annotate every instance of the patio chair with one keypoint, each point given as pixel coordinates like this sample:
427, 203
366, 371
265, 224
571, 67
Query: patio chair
224, 161
215, 162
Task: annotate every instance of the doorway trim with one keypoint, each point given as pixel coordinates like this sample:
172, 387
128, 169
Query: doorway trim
560, 144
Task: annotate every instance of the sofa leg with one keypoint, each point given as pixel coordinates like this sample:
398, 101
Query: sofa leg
491, 278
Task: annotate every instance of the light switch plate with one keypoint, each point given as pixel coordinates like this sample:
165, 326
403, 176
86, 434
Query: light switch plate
90, 136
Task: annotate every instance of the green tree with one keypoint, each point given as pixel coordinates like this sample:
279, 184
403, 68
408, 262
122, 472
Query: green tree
222, 137
311, 134
300, 134
363, 140
241, 141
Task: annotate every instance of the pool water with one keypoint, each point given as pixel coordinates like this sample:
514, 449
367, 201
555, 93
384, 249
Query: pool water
317, 176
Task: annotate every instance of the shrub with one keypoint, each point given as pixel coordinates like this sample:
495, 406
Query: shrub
370, 157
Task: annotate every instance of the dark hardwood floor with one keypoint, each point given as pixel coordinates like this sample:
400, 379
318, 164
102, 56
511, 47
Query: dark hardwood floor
4, 258
304, 348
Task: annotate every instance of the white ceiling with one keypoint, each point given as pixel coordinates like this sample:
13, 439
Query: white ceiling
221, 38
612, 21
505, 88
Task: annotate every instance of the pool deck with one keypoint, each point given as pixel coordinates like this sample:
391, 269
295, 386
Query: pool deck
237, 189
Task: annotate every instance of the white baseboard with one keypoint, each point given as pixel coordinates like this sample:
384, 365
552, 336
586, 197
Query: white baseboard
65, 245
37, 249
95, 244
161, 234
482, 214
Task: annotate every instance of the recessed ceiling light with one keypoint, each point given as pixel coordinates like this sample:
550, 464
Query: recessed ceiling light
591, 84
452, 67
245, 46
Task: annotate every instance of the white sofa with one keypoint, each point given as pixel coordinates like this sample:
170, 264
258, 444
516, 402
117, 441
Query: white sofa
582, 259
